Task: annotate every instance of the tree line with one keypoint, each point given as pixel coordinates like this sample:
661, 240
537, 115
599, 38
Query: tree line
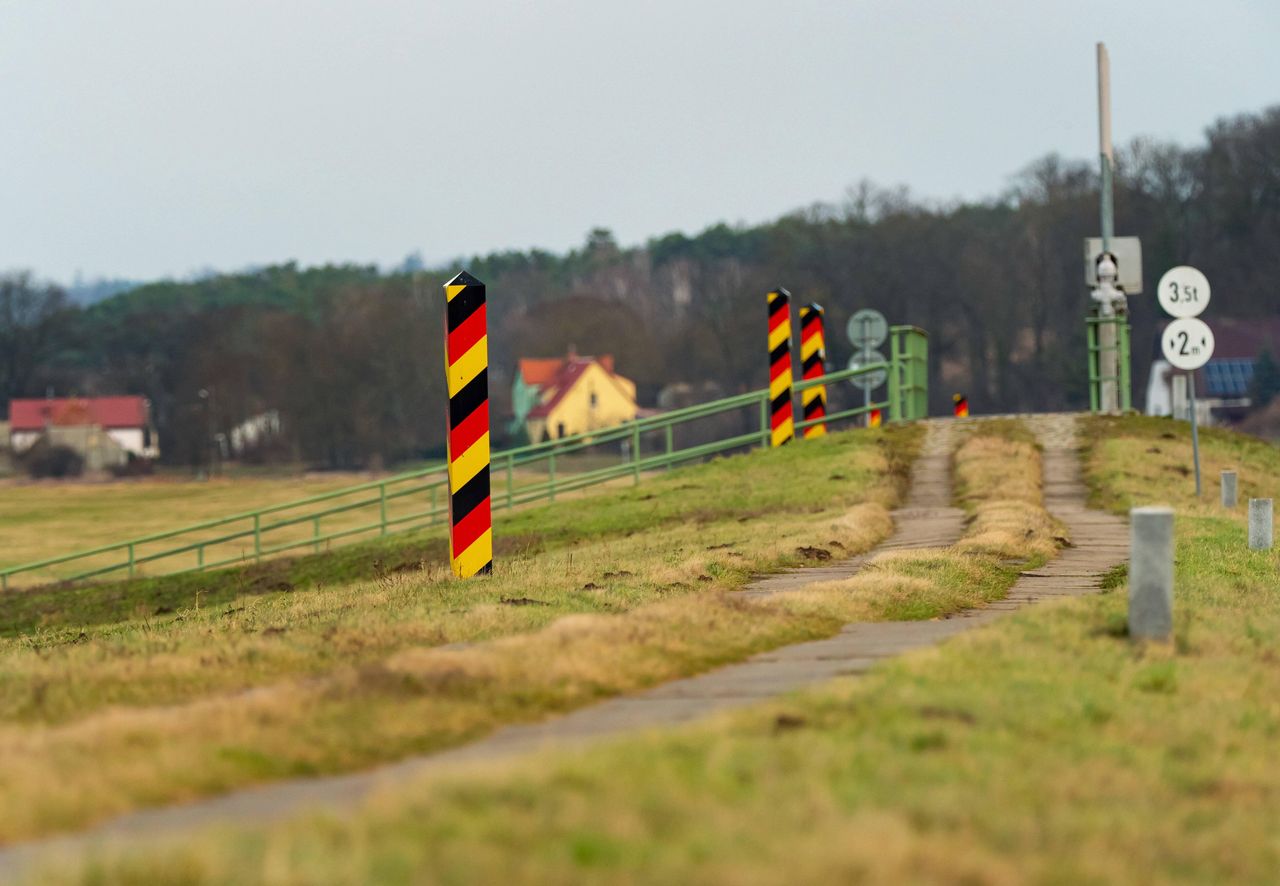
351, 357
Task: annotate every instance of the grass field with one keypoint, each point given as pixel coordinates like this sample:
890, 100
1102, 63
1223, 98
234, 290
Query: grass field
112, 704
1046, 748
45, 519
51, 518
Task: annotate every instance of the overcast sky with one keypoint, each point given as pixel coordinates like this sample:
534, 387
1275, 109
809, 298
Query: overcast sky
144, 138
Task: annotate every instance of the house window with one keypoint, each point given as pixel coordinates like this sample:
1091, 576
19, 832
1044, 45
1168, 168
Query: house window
594, 399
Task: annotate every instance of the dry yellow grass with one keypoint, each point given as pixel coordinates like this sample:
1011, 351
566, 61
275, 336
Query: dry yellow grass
156, 710
586, 654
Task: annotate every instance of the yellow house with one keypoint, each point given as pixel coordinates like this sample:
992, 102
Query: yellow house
575, 395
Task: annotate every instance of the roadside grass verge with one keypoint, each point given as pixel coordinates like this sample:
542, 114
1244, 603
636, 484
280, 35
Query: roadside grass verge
834, 472
1045, 748
420, 699
613, 592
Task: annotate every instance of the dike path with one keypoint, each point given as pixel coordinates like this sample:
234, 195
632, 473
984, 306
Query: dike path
1099, 542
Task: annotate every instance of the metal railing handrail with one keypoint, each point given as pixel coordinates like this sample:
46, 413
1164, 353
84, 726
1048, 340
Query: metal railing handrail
907, 381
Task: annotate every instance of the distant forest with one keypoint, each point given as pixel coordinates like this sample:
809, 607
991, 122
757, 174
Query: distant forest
351, 357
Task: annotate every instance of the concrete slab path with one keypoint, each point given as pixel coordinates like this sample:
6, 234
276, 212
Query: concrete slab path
1100, 541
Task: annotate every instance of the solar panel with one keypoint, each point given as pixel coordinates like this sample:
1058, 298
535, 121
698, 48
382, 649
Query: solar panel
1228, 378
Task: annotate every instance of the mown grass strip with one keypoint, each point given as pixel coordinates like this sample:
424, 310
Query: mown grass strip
1043, 749
422, 699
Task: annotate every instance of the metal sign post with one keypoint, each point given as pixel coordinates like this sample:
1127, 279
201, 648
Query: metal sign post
1187, 342
867, 330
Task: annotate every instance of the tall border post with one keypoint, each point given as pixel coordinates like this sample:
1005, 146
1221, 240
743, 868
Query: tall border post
466, 356
813, 356
781, 415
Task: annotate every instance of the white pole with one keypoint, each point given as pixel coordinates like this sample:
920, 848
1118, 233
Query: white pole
1108, 355
1106, 156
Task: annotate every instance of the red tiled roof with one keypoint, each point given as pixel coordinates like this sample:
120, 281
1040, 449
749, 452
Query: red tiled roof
563, 382
543, 370
106, 412
540, 370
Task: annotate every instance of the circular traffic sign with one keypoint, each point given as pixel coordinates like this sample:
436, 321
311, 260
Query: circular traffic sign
867, 329
868, 381
1183, 292
1187, 343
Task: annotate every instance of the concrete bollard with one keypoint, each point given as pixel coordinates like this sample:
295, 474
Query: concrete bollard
1179, 395
1228, 489
1260, 535
1151, 573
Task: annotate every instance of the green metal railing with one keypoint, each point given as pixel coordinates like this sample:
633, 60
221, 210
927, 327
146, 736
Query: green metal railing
1094, 326
419, 499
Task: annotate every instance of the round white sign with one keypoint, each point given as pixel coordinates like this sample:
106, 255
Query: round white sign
1183, 292
867, 329
871, 380
1187, 343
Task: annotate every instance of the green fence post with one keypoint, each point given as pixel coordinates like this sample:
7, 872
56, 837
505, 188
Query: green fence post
315, 532
257, 538
670, 445
382, 507
551, 473
920, 408
635, 451
765, 425
131, 560
1122, 341
895, 380
200, 559
511, 482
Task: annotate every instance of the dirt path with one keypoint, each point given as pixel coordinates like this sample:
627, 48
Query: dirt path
927, 520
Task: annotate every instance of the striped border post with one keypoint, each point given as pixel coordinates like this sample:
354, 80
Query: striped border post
874, 418
781, 418
960, 406
813, 355
466, 357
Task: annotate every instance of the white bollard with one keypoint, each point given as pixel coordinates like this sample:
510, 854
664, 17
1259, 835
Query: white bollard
1228, 489
1151, 573
1260, 527
1179, 397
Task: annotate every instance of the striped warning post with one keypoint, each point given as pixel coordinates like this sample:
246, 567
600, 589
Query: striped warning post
813, 355
466, 357
960, 409
781, 419
874, 418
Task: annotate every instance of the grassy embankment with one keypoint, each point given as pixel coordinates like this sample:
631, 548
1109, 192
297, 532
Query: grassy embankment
115, 705
922, 584
41, 520
1045, 748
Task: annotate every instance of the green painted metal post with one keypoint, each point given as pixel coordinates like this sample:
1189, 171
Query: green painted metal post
257, 538
765, 425
895, 373
1122, 341
670, 445
635, 452
551, 474
382, 508
131, 560
511, 480
200, 559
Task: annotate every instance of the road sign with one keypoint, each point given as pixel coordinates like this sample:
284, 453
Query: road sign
1183, 292
1187, 343
871, 380
1128, 253
867, 329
